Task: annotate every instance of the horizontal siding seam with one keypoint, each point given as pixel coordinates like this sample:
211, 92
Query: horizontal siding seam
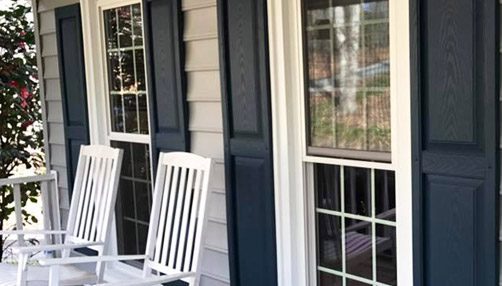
55, 165
52, 77
54, 141
201, 68
199, 37
53, 99
217, 220
204, 99
49, 54
215, 277
201, 129
201, 5
216, 248
47, 32
217, 190
53, 120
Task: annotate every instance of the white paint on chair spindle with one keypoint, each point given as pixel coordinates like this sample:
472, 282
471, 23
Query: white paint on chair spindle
56, 220
101, 202
18, 212
201, 227
184, 222
91, 200
91, 186
170, 214
46, 209
180, 189
79, 194
154, 216
192, 228
164, 191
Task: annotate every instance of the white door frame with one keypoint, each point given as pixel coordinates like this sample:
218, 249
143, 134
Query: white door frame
294, 249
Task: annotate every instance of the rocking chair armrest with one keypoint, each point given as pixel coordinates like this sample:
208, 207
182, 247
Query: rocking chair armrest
151, 281
51, 247
88, 259
32, 232
27, 179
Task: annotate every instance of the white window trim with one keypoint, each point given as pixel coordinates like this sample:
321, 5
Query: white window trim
97, 91
292, 198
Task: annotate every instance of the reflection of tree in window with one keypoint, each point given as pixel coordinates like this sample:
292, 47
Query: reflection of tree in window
348, 75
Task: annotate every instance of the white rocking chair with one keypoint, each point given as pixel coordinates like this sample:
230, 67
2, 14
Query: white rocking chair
177, 223
89, 221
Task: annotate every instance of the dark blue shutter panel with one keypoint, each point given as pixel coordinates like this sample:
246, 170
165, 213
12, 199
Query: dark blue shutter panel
73, 85
248, 142
455, 103
166, 72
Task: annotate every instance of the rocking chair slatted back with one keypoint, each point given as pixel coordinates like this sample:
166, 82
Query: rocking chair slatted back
178, 214
94, 194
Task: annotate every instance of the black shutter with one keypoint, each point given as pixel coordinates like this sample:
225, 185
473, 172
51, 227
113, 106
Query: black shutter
166, 72
166, 79
248, 141
73, 85
455, 102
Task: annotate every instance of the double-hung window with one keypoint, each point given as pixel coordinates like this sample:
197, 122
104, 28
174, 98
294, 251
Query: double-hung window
347, 96
346, 90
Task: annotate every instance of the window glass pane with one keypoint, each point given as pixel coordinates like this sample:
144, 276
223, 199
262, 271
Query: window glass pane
134, 197
358, 191
114, 71
141, 158
386, 254
328, 187
348, 75
131, 113
128, 242
127, 75
385, 195
126, 69
143, 113
140, 71
329, 231
117, 114
326, 279
125, 27
143, 198
137, 25
111, 32
127, 198
142, 232
359, 248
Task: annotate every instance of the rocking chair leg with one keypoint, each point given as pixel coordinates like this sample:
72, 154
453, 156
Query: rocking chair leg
54, 275
100, 269
22, 271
